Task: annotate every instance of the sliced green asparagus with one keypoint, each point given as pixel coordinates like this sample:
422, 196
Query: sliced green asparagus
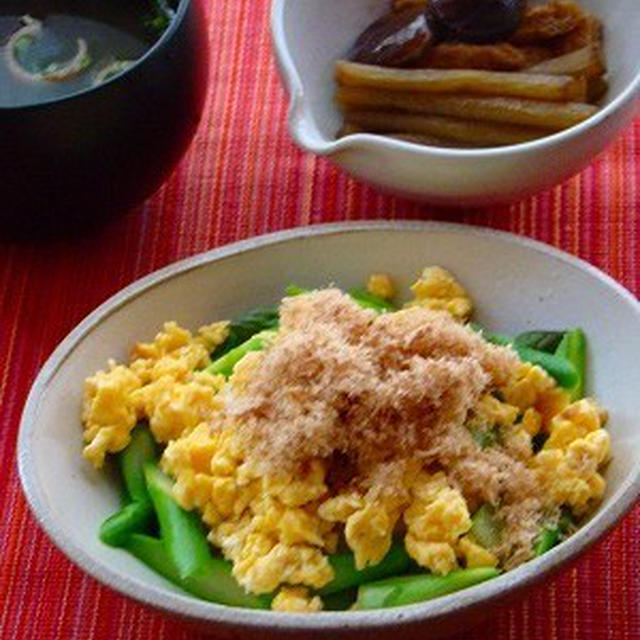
547, 539
246, 326
396, 592
396, 562
546, 341
370, 301
137, 515
225, 364
551, 536
180, 530
139, 451
340, 601
558, 367
187, 552
485, 527
133, 517
212, 581
293, 290
573, 347
151, 551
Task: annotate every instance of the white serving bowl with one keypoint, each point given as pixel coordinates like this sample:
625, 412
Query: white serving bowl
517, 285
310, 35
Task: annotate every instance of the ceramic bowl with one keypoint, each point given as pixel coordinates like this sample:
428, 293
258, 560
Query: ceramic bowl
517, 285
74, 161
308, 36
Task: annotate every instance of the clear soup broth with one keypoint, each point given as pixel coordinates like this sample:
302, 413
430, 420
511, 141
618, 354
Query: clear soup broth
46, 56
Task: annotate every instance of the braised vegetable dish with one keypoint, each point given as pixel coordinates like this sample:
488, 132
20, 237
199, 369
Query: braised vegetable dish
473, 73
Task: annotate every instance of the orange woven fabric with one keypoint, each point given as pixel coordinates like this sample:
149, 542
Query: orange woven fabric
243, 177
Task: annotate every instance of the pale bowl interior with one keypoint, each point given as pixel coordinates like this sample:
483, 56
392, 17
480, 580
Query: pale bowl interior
517, 285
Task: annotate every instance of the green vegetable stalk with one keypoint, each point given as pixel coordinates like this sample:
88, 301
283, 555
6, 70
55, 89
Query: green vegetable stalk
133, 517
573, 347
137, 515
346, 576
557, 366
396, 592
551, 536
546, 341
547, 539
246, 326
293, 290
485, 527
180, 531
369, 301
184, 551
212, 581
226, 363
340, 601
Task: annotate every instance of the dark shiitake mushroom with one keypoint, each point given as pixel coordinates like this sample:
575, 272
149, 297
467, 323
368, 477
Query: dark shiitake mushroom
477, 21
394, 40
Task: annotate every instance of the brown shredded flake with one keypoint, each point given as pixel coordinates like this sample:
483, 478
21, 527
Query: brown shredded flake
378, 395
373, 388
521, 525
491, 475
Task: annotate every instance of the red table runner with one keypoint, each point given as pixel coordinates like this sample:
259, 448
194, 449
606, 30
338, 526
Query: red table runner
243, 177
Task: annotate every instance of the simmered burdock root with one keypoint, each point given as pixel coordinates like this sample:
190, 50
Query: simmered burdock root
512, 71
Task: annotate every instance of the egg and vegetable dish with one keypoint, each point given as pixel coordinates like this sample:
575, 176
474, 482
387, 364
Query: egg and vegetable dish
340, 451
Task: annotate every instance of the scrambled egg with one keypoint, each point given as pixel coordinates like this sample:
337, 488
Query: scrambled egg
268, 526
437, 289
160, 384
534, 388
296, 600
108, 412
568, 465
436, 519
474, 554
381, 285
368, 532
577, 448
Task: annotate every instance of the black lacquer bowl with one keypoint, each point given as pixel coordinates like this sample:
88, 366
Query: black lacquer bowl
76, 161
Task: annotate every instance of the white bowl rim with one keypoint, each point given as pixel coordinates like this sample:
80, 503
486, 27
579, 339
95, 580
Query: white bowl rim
298, 113
199, 610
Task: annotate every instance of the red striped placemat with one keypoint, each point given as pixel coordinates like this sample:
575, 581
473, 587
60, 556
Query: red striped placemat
243, 177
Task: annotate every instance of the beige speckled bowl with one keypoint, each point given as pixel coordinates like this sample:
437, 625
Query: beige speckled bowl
517, 285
